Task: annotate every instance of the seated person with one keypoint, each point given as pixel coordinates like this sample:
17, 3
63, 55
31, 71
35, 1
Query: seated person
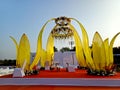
67, 65
57, 65
52, 67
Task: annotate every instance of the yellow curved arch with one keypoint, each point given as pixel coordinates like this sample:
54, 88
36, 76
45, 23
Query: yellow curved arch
49, 47
85, 45
43, 58
79, 49
16, 45
39, 46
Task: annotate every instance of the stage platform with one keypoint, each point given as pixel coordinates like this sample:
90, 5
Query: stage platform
63, 78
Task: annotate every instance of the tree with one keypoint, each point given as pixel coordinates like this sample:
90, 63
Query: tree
116, 50
74, 48
55, 49
64, 49
7, 62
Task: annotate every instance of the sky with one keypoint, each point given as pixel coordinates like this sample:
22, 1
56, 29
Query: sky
28, 16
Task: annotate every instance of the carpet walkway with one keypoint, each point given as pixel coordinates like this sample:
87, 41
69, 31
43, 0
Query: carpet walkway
64, 74
56, 88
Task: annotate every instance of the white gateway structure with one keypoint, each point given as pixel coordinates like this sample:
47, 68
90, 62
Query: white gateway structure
62, 58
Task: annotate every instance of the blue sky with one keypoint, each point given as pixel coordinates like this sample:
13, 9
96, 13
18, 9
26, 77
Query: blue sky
28, 16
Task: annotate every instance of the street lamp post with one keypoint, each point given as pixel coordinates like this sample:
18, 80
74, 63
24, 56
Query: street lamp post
72, 43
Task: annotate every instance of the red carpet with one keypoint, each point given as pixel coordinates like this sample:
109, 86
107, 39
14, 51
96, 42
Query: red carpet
61, 74
56, 88
64, 74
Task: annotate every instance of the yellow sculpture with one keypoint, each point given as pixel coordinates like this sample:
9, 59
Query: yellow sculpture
98, 52
103, 55
79, 49
23, 52
39, 50
16, 45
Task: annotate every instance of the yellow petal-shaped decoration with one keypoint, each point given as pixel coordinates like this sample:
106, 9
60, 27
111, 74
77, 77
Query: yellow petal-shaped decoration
16, 44
85, 45
24, 52
98, 52
49, 48
79, 50
43, 58
111, 48
39, 46
106, 44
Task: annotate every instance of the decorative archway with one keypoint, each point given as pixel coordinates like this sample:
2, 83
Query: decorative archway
98, 59
62, 30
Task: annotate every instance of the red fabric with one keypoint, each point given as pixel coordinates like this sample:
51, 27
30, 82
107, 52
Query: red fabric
63, 74
7, 87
